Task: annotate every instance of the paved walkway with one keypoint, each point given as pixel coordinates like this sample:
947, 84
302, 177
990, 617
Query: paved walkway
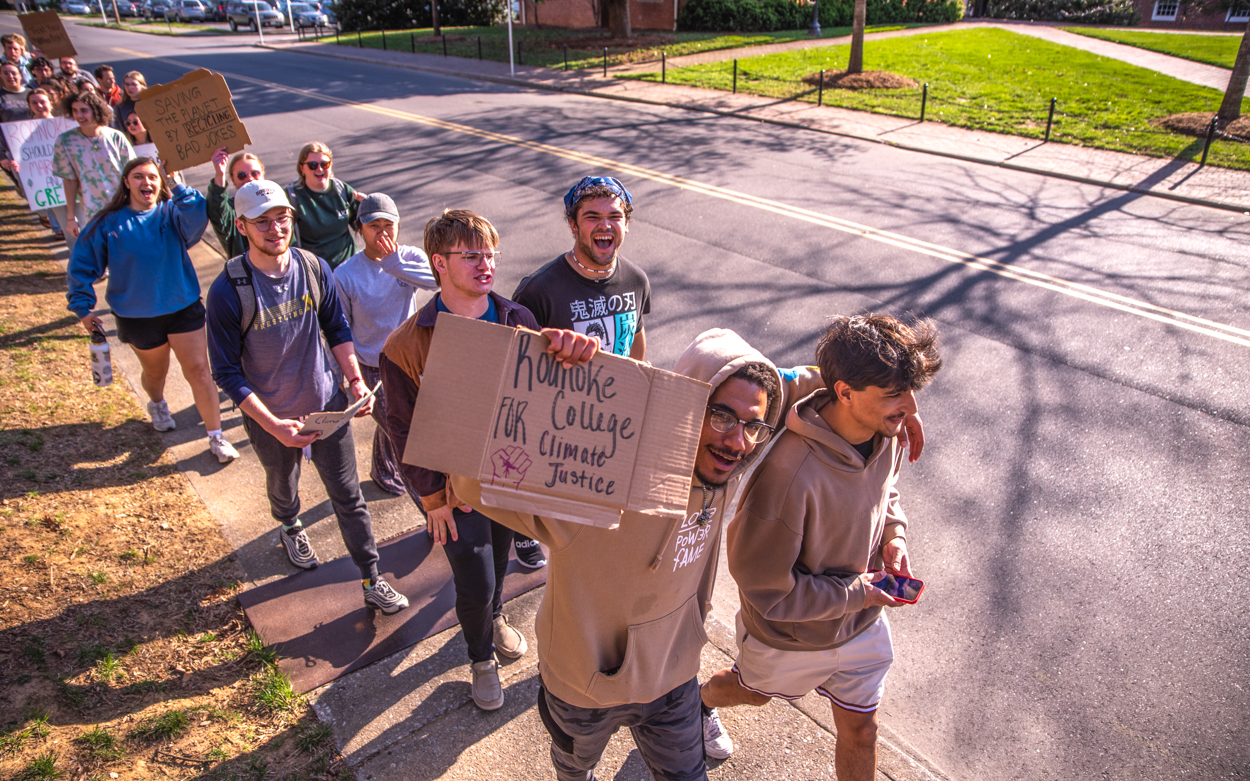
1161, 177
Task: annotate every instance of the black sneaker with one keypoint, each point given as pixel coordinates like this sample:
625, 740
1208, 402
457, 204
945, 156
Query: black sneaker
530, 554
298, 548
380, 596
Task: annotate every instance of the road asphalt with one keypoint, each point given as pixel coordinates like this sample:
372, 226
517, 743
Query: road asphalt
1086, 481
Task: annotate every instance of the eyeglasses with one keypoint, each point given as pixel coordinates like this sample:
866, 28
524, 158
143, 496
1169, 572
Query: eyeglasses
318, 166
756, 431
264, 225
247, 176
474, 257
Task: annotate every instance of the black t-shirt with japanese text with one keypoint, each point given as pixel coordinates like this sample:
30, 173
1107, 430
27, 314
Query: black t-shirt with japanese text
610, 309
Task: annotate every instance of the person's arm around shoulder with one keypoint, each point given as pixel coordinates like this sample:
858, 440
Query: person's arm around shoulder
407, 264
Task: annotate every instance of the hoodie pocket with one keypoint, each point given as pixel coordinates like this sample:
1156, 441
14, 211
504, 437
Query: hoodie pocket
660, 655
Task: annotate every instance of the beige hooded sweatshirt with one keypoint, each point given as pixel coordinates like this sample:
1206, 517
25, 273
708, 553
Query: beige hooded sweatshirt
621, 620
813, 517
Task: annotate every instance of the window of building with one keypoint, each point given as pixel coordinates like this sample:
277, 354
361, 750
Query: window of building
1239, 13
1165, 10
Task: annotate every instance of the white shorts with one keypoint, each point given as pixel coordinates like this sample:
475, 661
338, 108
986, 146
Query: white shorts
852, 675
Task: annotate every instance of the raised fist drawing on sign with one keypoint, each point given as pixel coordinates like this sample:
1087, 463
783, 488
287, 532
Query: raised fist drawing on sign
509, 465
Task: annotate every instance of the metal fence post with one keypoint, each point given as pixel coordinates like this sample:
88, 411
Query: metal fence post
924, 100
479, 47
412, 42
336, 36
820, 90
1050, 120
1207, 146
359, 45
444, 44
566, 56
519, 61
663, 68
735, 77
383, 39
605, 62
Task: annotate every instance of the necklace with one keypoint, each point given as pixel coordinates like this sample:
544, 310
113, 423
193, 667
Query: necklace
705, 514
573, 255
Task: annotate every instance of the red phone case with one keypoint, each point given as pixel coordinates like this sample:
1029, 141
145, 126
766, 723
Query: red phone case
900, 599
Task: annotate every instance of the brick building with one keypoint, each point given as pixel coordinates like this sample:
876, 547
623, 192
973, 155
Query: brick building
643, 14
1181, 15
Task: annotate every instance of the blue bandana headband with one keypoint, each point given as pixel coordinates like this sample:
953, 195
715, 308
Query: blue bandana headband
575, 194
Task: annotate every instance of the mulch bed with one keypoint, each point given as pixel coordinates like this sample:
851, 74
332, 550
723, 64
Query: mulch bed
1196, 124
864, 80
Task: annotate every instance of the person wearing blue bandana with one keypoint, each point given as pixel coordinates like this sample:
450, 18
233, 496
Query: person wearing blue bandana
591, 288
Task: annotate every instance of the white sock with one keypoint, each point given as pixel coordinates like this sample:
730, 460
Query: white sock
214, 433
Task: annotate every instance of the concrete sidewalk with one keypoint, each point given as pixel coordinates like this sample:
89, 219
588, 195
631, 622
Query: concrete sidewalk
1160, 177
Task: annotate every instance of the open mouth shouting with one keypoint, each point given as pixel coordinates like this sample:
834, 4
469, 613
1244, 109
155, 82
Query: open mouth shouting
724, 460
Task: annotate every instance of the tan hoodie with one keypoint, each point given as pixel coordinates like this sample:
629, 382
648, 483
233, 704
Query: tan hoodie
621, 620
813, 516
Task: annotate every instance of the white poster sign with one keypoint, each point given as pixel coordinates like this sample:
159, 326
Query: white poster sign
31, 144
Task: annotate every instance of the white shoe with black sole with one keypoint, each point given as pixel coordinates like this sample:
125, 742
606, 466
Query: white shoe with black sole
298, 549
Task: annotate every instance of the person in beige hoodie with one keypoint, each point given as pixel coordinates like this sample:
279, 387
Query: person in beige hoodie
620, 628
817, 517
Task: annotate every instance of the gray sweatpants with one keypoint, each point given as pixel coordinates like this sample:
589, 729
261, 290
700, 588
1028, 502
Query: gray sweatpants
668, 732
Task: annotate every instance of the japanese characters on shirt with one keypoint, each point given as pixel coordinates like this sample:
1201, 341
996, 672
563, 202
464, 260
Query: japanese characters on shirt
614, 319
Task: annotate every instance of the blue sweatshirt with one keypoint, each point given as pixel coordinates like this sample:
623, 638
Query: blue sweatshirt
150, 272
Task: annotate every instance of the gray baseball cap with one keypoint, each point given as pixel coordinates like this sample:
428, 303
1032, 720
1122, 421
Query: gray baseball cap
259, 196
377, 206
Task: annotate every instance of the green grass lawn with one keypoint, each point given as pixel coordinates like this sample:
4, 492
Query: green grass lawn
996, 80
157, 27
545, 47
1218, 50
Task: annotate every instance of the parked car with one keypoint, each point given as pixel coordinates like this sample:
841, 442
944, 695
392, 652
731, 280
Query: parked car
242, 13
215, 11
124, 8
186, 11
76, 7
304, 15
155, 9
330, 9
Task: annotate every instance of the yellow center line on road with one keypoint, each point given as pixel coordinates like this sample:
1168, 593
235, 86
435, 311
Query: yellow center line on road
1093, 295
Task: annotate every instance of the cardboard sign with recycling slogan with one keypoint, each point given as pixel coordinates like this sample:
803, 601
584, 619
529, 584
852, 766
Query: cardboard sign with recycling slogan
581, 444
46, 32
191, 118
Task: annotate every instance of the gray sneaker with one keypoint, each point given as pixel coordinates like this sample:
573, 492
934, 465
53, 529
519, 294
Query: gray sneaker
161, 419
508, 641
298, 549
716, 742
224, 451
487, 691
380, 596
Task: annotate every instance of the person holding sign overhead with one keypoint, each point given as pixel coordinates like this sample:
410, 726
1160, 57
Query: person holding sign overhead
89, 160
141, 236
463, 248
325, 207
272, 314
244, 167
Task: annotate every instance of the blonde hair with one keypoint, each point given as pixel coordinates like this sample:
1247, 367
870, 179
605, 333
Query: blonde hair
240, 157
457, 227
312, 147
137, 76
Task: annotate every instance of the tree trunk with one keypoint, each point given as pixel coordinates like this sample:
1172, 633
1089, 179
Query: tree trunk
1230, 109
434, 13
618, 18
856, 63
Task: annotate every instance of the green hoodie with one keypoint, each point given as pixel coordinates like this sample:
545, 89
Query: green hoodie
324, 220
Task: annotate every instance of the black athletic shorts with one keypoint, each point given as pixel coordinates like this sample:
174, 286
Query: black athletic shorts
148, 333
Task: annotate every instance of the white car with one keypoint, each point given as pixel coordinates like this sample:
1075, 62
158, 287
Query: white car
76, 7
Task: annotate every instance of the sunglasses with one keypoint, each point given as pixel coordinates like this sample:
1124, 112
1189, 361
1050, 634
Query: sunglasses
318, 166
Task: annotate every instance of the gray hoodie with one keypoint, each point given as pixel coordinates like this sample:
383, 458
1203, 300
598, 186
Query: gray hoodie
621, 620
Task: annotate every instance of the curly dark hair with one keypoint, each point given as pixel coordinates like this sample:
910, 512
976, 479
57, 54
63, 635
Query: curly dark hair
878, 350
100, 110
762, 377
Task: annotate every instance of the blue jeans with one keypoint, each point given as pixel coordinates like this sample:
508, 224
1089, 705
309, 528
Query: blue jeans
479, 559
335, 459
668, 732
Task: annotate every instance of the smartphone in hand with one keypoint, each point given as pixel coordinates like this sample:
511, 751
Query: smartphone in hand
902, 588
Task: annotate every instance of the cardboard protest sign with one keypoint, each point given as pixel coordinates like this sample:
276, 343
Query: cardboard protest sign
581, 444
45, 32
147, 150
190, 118
31, 142
329, 422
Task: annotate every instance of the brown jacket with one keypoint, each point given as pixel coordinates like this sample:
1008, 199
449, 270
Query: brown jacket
621, 620
813, 516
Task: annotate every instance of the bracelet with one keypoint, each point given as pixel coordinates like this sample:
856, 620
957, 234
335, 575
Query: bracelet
355, 379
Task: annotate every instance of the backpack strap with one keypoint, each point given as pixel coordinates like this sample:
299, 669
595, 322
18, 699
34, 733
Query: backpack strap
241, 280
312, 272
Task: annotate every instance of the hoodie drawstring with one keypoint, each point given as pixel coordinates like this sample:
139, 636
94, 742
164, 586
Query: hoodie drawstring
705, 515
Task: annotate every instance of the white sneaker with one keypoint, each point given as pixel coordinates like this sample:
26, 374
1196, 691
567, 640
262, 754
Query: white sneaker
224, 451
161, 419
716, 743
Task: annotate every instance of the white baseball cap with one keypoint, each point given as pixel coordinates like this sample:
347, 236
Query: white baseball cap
257, 197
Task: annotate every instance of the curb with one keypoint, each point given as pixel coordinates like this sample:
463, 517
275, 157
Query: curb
1225, 206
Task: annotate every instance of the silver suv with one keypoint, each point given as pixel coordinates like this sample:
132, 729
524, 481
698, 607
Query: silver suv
244, 13
186, 11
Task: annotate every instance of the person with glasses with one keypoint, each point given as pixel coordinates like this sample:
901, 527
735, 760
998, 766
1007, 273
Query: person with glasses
590, 288
141, 237
325, 207
816, 524
244, 167
280, 348
463, 248
379, 289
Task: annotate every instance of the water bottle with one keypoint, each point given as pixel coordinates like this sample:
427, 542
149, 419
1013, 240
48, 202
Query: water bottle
101, 361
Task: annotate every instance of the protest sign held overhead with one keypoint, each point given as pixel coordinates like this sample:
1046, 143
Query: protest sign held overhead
32, 142
45, 32
580, 444
190, 118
